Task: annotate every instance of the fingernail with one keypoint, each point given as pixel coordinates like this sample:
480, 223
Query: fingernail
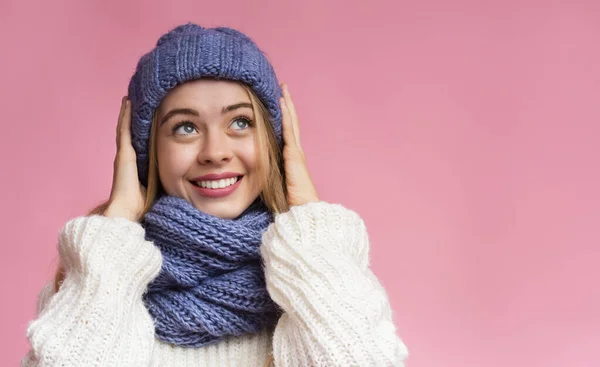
283, 103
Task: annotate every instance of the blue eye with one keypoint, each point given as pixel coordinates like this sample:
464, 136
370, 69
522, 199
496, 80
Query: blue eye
241, 123
184, 128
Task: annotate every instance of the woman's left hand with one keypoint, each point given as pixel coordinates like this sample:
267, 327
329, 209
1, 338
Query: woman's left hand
300, 187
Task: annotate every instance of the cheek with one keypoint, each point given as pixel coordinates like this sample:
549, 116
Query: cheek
246, 152
174, 160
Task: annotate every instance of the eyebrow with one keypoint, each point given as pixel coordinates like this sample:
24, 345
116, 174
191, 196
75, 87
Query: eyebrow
190, 111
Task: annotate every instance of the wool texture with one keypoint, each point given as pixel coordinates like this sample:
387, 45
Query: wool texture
336, 312
211, 284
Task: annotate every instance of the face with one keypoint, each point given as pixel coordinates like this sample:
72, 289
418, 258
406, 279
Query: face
206, 146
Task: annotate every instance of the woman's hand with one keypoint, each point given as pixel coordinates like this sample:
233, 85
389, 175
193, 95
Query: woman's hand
127, 196
300, 187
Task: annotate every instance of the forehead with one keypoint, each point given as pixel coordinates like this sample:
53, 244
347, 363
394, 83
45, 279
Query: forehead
205, 95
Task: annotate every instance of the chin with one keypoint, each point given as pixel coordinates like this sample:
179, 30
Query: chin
222, 210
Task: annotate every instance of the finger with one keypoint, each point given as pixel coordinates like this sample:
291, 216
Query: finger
288, 131
120, 119
293, 115
126, 125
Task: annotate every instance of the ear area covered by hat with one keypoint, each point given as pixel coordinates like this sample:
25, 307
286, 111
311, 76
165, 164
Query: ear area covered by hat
189, 52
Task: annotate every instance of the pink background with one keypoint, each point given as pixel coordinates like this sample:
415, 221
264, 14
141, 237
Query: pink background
466, 133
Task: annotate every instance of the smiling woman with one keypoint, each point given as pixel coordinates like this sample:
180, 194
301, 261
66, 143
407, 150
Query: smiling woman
214, 248
207, 134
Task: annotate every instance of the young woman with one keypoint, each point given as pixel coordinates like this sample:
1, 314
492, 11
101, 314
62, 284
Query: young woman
214, 248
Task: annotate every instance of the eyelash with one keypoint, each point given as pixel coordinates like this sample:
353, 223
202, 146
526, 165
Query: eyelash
248, 120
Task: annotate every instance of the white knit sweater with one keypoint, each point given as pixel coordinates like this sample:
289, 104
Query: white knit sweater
316, 267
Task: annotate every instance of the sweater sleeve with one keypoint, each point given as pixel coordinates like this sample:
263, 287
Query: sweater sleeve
97, 318
336, 313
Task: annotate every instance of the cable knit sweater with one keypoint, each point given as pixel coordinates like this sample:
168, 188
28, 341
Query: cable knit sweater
316, 262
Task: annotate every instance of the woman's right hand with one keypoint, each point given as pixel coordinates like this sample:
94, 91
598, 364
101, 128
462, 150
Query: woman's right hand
127, 195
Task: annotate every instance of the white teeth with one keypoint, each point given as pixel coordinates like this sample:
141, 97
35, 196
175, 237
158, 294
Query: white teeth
217, 184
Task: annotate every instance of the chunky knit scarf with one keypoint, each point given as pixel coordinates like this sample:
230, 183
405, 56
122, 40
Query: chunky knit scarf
211, 284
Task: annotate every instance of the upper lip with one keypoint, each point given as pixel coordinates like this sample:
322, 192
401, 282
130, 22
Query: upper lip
216, 176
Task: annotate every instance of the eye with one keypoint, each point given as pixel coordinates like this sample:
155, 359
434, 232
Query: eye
184, 128
241, 123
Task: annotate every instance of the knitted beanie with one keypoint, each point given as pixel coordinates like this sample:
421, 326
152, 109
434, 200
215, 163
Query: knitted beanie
190, 52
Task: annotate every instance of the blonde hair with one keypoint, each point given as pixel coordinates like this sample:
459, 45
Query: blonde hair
270, 168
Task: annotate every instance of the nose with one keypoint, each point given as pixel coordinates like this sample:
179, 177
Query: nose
216, 149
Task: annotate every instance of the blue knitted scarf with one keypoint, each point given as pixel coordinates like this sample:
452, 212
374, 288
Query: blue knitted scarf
211, 284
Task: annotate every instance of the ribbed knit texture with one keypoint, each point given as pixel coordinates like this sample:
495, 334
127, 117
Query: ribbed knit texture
212, 283
190, 52
316, 269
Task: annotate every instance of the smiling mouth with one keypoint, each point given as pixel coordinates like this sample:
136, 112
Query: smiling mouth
217, 184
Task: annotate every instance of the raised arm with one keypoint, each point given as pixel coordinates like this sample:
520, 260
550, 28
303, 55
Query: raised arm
97, 317
336, 312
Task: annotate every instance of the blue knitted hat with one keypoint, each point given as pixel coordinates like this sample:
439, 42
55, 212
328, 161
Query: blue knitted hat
190, 52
